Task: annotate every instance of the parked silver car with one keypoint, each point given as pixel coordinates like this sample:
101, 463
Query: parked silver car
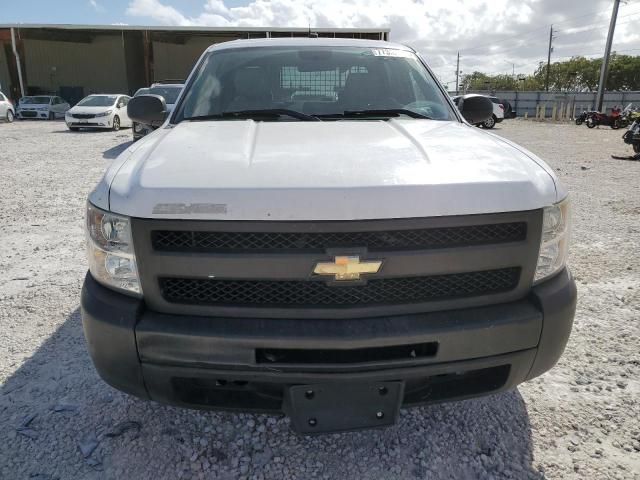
7, 111
47, 107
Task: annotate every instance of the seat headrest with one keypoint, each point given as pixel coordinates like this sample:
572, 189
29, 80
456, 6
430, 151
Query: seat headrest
250, 82
360, 89
359, 81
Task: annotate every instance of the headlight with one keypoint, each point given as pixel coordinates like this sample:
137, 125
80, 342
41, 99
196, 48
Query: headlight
112, 260
554, 244
104, 114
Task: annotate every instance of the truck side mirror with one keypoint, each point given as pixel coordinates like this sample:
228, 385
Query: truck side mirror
475, 108
147, 109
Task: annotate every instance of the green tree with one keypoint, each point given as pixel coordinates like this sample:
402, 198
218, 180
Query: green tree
576, 74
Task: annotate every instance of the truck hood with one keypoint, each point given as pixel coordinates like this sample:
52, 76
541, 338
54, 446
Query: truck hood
94, 110
341, 170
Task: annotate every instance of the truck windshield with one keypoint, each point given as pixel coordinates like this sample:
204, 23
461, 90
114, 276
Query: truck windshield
326, 83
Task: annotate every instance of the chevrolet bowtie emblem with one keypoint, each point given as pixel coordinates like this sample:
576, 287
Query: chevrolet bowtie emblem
347, 268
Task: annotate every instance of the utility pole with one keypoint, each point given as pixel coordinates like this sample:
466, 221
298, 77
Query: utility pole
546, 83
604, 70
458, 74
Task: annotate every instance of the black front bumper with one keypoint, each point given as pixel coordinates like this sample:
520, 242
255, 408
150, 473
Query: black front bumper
248, 363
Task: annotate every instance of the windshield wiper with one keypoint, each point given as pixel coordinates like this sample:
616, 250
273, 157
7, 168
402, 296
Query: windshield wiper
267, 112
386, 112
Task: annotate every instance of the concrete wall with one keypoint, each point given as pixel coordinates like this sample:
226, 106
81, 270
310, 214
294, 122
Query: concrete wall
98, 66
175, 60
134, 58
525, 102
74, 62
5, 79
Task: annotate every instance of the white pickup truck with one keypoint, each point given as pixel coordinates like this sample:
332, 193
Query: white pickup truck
317, 230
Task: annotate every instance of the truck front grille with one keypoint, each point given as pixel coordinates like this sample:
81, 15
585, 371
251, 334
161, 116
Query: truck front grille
269, 293
388, 240
264, 269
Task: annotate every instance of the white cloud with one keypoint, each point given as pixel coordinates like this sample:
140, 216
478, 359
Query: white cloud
492, 35
162, 14
96, 6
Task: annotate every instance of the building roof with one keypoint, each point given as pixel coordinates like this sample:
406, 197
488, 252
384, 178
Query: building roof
190, 28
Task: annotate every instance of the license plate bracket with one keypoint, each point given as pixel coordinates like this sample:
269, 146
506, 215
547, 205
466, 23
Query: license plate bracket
340, 406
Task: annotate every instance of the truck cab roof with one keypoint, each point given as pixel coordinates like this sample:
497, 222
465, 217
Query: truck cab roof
307, 42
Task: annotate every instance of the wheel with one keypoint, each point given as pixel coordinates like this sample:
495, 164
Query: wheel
52, 116
636, 147
590, 123
116, 123
10, 116
615, 125
579, 121
489, 122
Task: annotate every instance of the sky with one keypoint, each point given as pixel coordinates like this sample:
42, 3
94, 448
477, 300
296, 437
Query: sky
494, 36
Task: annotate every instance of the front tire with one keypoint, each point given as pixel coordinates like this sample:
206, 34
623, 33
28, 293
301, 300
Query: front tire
10, 116
116, 123
615, 125
591, 123
579, 121
489, 122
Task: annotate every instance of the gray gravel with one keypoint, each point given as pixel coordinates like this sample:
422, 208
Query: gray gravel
59, 420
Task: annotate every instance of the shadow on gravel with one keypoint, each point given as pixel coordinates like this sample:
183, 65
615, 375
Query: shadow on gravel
62, 421
113, 152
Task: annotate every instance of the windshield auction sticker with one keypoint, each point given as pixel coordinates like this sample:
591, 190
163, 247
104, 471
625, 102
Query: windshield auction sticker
390, 52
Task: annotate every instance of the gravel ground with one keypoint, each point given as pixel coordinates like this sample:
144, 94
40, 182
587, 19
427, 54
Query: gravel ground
59, 420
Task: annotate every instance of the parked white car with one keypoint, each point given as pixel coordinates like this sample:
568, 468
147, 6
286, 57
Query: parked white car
7, 112
498, 112
47, 107
99, 111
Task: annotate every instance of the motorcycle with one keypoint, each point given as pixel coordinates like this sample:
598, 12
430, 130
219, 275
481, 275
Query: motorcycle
599, 118
629, 115
632, 136
583, 117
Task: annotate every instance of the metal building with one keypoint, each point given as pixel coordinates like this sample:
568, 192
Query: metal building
76, 60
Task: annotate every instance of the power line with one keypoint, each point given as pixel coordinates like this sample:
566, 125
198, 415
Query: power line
524, 40
527, 32
595, 26
523, 35
598, 53
527, 44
